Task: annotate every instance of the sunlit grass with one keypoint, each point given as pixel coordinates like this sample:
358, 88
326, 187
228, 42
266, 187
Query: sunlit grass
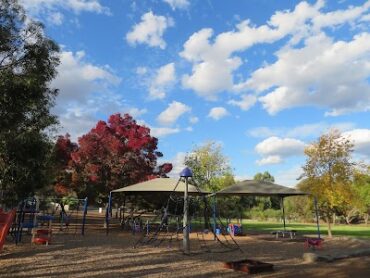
338, 230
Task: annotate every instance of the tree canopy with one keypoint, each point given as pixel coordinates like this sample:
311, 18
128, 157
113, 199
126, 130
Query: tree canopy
208, 163
329, 171
28, 61
113, 154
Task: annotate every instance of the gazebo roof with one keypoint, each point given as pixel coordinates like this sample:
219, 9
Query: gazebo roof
259, 188
159, 185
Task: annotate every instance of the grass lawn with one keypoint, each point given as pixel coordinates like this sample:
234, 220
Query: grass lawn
337, 230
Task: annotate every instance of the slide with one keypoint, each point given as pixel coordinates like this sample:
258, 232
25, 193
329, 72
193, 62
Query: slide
6, 220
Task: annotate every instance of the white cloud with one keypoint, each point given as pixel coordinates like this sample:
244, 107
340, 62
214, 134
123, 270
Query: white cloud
178, 4
77, 78
246, 102
303, 131
193, 120
275, 149
51, 8
271, 159
288, 177
214, 64
178, 164
150, 30
161, 132
360, 139
84, 93
165, 77
217, 113
55, 18
314, 67
174, 110
136, 112
317, 75
77, 121
141, 70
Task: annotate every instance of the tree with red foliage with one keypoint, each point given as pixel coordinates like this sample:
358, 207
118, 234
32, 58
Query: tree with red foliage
62, 165
114, 154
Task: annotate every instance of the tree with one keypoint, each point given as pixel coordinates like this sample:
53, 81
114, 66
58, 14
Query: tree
114, 154
361, 184
62, 166
265, 176
266, 202
211, 170
28, 61
328, 172
208, 163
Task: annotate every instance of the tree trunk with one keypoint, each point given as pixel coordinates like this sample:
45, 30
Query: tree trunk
329, 226
334, 219
366, 218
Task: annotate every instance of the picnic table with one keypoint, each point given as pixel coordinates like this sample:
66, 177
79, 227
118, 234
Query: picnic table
290, 233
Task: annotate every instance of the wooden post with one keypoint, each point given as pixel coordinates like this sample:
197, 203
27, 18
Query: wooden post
186, 242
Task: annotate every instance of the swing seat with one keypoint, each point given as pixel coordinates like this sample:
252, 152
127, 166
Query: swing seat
41, 240
313, 243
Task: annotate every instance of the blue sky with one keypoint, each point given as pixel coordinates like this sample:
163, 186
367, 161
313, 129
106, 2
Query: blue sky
262, 78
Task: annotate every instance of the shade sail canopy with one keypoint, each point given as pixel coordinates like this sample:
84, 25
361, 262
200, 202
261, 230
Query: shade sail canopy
259, 188
159, 185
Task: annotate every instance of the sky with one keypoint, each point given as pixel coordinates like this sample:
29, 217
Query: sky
262, 78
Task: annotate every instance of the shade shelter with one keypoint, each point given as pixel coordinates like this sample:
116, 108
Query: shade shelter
164, 185
161, 185
263, 188
259, 188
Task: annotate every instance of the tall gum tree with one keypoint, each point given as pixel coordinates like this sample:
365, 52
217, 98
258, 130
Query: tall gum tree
28, 61
328, 171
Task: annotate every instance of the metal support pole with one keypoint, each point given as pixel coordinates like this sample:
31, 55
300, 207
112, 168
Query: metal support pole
214, 216
108, 212
84, 217
317, 217
282, 206
186, 242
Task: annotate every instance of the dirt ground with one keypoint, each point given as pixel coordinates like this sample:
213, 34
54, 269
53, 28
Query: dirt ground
99, 255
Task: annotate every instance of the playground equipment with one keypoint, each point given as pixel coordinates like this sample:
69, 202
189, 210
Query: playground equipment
43, 236
6, 220
33, 212
166, 227
313, 243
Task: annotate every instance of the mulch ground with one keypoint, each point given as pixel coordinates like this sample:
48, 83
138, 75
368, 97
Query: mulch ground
99, 255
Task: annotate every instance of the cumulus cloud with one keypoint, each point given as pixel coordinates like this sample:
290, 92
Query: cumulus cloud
50, 9
85, 90
178, 164
288, 177
246, 102
178, 4
217, 113
164, 78
174, 111
311, 130
136, 112
77, 78
317, 75
305, 75
193, 120
150, 30
161, 132
360, 139
274, 149
214, 63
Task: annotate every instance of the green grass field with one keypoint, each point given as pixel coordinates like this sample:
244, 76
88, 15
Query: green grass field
337, 230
